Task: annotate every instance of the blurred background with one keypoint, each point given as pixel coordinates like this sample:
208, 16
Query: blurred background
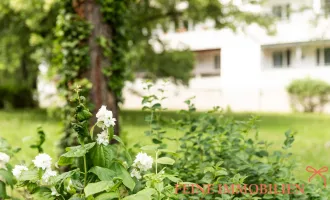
269, 58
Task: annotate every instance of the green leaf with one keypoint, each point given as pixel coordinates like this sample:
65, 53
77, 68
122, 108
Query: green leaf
78, 151
165, 161
30, 175
91, 132
262, 153
128, 156
3, 192
7, 177
150, 147
167, 151
156, 106
103, 174
94, 188
107, 196
64, 161
84, 115
122, 173
145, 194
102, 156
119, 140
65, 175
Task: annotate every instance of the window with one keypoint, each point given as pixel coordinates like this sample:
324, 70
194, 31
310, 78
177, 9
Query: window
282, 58
282, 11
217, 62
327, 56
288, 57
277, 59
318, 56
325, 52
288, 11
277, 11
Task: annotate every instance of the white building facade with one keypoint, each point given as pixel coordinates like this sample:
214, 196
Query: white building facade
249, 70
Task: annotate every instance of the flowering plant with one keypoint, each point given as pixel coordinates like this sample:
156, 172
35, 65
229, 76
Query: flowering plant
98, 169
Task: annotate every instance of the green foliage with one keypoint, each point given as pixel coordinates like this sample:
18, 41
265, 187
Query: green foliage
214, 149
98, 170
6, 177
42, 139
309, 95
25, 38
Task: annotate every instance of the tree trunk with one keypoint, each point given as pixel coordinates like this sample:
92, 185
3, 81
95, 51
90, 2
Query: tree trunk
100, 93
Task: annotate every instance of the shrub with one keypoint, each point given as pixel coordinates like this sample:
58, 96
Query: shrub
308, 95
214, 149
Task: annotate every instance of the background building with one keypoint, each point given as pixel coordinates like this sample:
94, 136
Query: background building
249, 70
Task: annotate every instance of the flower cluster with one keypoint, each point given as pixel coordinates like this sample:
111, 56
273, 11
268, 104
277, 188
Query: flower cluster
18, 169
104, 120
142, 163
42, 161
103, 138
4, 159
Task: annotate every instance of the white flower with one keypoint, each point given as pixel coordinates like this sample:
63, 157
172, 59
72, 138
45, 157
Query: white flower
4, 159
143, 161
103, 138
105, 118
54, 191
43, 161
48, 173
101, 112
135, 173
18, 169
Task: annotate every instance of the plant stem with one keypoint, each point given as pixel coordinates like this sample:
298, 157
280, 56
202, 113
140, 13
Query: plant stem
118, 194
85, 176
156, 162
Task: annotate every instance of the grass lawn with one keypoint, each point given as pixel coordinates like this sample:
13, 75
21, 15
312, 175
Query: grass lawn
19, 128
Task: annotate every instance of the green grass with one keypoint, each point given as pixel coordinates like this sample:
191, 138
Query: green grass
19, 128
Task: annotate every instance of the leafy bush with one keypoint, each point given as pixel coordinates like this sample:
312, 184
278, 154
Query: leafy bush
309, 94
214, 149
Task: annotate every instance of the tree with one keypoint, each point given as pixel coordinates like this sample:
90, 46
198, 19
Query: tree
106, 41
25, 35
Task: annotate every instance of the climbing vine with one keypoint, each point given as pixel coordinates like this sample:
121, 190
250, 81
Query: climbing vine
71, 61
